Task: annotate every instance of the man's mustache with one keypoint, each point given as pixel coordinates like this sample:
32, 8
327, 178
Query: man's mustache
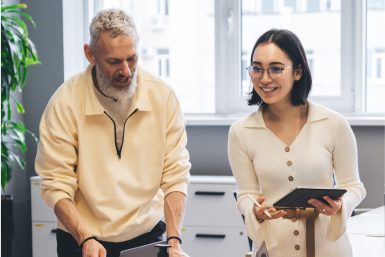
123, 77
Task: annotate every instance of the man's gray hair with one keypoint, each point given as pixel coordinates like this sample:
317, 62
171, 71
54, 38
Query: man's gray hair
115, 21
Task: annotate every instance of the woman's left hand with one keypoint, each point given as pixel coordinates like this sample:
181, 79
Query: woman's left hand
328, 210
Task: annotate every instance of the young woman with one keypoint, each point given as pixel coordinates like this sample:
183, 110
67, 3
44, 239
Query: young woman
292, 142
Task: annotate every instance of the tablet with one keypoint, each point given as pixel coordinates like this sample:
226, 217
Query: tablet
299, 196
262, 251
142, 251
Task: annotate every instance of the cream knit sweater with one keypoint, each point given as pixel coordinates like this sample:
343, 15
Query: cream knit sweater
259, 162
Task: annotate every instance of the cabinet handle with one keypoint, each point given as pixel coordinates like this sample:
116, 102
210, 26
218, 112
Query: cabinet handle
53, 231
210, 236
209, 193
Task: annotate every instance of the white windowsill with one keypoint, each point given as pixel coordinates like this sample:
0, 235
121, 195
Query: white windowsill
227, 120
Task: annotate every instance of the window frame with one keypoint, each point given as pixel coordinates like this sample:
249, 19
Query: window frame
353, 38
228, 55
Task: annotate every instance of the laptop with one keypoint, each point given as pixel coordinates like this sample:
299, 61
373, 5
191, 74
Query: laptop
142, 251
262, 251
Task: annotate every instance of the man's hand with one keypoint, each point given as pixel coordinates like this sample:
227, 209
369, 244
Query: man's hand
68, 215
93, 248
326, 209
176, 250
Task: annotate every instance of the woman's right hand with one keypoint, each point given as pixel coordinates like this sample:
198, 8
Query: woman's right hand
259, 211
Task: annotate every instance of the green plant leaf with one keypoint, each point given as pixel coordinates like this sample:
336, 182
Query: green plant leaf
9, 110
22, 25
6, 171
30, 61
24, 77
19, 143
25, 15
19, 107
13, 7
18, 159
32, 49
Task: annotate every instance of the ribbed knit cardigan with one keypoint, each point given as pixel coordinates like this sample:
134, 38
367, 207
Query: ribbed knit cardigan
259, 163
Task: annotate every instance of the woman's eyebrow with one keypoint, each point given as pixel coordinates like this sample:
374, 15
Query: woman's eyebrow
272, 63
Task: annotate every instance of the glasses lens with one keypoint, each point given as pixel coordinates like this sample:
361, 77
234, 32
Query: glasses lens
275, 72
255, 72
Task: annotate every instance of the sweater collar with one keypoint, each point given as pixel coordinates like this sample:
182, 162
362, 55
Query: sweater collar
315, 112
140, 100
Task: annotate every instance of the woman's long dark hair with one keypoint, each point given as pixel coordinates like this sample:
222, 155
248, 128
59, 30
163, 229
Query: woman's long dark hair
290, 44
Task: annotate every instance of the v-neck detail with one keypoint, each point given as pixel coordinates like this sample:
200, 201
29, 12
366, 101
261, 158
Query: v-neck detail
292, 143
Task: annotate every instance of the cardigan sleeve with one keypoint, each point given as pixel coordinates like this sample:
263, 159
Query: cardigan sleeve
347, 177
247, 183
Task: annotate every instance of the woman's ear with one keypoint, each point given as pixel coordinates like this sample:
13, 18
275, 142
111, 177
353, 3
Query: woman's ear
298, 73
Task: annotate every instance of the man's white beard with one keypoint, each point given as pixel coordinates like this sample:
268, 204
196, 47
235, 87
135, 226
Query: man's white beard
106, 85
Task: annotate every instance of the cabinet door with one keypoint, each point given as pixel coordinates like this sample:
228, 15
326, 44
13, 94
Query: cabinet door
44, 239
212, 241
212, 205
40, 211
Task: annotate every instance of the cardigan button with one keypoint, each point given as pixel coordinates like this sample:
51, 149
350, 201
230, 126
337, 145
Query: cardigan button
296, 232
291, 178
289, 163
294, 219
287, 148
297, 247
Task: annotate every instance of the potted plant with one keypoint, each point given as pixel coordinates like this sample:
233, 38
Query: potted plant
17, 52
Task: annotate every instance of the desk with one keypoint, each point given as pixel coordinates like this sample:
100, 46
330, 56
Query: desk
360, 226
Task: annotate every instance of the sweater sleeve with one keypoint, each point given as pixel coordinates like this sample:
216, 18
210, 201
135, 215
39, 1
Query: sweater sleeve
176, 169
247, 183
56, 158
347, 177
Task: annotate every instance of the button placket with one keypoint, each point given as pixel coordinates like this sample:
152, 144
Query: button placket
289, 163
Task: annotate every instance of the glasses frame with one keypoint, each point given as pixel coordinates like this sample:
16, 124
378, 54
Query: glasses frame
267, 70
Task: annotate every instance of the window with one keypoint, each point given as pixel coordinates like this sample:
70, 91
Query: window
375, 57
177, 46
325, 54
202, 47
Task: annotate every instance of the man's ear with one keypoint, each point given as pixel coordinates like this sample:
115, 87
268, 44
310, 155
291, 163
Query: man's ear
298, 73
88, 53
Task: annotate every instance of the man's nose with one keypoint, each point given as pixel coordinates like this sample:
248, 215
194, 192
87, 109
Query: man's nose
125, 69
265, 77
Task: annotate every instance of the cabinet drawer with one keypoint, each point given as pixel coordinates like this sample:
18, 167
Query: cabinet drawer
40, 211
44, 239
212, 205
214, 241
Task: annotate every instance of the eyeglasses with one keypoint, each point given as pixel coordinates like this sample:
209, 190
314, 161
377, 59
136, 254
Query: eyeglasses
256, 72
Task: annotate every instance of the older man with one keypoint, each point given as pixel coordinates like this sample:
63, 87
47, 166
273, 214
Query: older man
112, 150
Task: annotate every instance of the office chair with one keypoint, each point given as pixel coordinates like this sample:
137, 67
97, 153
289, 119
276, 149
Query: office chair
235, 193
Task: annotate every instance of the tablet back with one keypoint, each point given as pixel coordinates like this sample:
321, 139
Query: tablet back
262, 251
142, 251
298, 197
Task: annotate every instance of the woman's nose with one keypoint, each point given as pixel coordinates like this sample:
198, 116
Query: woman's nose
265, 77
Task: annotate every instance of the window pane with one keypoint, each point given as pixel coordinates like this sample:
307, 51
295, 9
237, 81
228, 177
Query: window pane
177, 43
375, 57
323, 48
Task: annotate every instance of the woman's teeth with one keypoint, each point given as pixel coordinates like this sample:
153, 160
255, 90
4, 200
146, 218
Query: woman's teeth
268, 89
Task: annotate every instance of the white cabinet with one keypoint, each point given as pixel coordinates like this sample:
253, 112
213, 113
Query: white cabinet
212, 225
43, 223
44, 239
